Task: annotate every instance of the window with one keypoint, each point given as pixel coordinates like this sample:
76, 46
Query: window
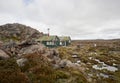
48, 43
69, 41
60, 43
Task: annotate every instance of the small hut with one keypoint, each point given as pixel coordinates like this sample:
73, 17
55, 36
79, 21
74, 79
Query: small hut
65, 40
49, 41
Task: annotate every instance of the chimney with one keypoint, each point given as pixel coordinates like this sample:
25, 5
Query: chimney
48, 31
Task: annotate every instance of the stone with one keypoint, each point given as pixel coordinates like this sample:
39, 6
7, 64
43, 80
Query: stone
21, 62
65, 63
32, 49
3, 55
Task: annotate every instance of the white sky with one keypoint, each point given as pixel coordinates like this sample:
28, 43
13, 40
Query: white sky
80, 19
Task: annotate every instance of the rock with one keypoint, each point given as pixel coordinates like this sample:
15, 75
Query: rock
69, 64
74, 56
10, 48
62, 64
51, 53
78, 61
56, 59
3, 55
32, 49
65, 63
21, 62
118, 66
1, 43
56, 66
76, 65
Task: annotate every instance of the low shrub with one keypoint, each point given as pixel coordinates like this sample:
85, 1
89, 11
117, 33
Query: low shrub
10, 72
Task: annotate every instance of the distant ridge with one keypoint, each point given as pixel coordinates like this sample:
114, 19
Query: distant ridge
116, 39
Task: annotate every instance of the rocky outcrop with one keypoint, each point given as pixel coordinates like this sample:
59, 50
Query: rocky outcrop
17, 32
32, 49
17, 39
26, 47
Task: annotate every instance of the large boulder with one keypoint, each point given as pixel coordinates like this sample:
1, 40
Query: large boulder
21, 62
32, 49
51, 53
65, 63
3, 55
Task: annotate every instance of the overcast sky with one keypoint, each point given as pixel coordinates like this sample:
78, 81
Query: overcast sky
80, 19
